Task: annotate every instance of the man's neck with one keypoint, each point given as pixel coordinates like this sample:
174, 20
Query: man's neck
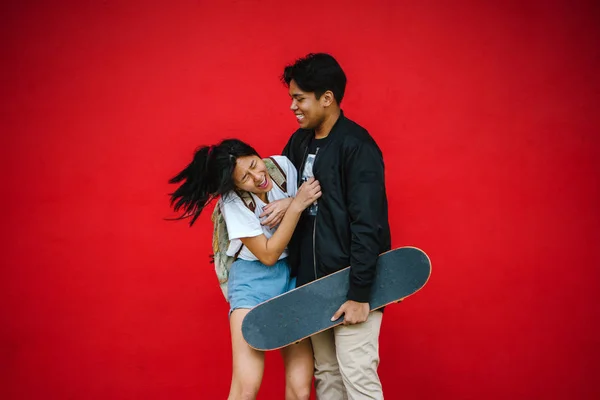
322, 131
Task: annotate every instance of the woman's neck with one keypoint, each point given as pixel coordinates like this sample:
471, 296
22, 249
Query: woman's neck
263, 197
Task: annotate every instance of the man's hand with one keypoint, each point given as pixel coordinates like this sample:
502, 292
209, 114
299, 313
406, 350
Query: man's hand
274, 211
354, 312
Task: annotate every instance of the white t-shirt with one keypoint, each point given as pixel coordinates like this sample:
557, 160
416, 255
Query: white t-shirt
243, 223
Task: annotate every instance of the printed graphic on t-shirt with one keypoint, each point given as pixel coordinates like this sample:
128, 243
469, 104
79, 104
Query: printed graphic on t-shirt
307, 173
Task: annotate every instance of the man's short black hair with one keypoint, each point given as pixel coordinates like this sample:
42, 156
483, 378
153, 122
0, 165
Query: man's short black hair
317, 73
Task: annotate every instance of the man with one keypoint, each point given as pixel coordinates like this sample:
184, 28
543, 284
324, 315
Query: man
348, 225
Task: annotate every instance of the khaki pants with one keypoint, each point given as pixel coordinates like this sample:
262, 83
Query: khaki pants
346, 361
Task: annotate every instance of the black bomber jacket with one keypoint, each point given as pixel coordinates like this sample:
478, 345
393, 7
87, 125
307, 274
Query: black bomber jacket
351, 226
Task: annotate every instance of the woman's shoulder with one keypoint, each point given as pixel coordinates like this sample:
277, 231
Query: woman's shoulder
290, 174
281, 160
284, 164
230, 200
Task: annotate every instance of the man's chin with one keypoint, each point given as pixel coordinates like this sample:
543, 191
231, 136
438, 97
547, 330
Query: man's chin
304, 124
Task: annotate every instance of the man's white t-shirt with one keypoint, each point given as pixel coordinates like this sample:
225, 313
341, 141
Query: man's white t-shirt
242, 223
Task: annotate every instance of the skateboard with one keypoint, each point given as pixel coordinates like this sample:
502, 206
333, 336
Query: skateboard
307, 310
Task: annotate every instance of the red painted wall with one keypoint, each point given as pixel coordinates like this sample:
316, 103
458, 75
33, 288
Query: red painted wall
487, 113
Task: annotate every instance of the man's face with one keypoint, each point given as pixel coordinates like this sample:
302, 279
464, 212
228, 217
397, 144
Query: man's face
309, 111
250, 174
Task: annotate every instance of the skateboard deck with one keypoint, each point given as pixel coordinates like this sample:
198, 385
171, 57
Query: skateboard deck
307, 310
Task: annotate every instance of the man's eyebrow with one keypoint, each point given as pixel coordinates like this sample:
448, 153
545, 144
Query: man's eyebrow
296, 94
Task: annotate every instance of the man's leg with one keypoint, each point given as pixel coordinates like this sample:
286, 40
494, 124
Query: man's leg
328, 380
357, 349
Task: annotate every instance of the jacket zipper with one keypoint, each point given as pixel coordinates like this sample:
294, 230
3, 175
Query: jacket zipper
315, 224
302, 166
314, 254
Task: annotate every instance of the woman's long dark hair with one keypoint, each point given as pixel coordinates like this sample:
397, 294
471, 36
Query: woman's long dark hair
207, 177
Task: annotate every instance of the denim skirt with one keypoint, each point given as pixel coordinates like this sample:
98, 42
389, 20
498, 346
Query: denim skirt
252, 282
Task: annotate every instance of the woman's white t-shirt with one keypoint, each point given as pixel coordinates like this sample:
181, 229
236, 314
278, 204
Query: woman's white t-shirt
242, 222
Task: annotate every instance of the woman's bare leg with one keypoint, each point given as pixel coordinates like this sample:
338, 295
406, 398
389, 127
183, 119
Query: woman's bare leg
299, 365
248, 364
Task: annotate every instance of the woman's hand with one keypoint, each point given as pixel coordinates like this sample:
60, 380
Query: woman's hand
274, 211
307, 194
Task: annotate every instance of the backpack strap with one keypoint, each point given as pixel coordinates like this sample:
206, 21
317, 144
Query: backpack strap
251, 205
246, 199
276, 173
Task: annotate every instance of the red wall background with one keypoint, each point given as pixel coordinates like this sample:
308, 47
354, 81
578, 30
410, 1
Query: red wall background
487, 113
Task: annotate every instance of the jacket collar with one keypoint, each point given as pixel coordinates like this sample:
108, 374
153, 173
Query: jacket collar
336, 126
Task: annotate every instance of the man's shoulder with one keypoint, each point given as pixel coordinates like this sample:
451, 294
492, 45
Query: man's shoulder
354, 134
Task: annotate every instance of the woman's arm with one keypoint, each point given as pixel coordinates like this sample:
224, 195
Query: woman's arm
274, 211
268, 251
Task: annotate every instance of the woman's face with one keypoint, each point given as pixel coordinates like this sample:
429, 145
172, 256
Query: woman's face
250, 174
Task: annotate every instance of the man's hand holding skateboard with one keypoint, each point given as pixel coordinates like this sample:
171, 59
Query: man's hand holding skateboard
354, 312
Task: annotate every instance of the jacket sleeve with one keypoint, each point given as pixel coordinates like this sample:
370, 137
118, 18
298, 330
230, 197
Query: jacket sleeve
365, 193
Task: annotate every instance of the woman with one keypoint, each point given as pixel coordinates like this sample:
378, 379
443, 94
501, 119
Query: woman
261, 270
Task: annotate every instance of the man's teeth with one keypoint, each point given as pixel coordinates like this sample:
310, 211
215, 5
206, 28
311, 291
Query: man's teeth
299, 116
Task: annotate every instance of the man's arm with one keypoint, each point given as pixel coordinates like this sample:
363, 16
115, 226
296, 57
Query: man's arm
365, 191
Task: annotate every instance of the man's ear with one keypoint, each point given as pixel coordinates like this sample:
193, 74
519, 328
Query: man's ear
327, 98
